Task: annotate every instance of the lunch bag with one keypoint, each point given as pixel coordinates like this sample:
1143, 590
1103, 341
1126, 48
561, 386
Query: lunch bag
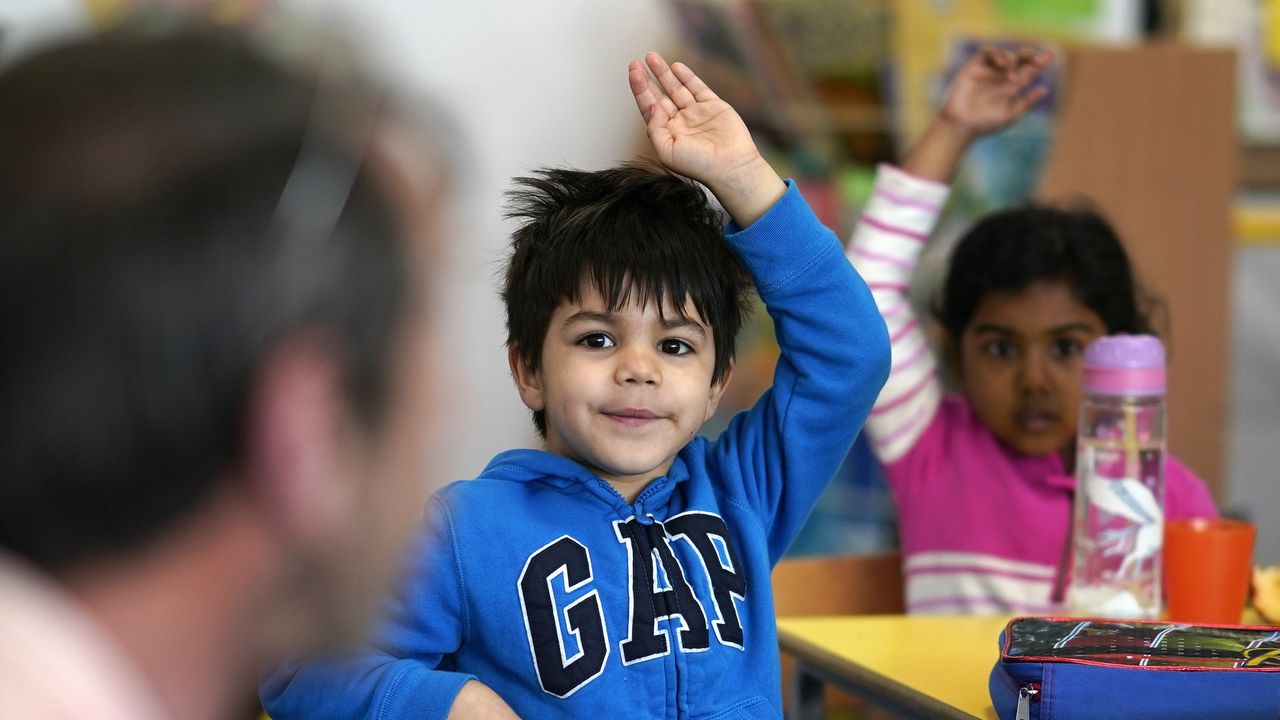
1069, 668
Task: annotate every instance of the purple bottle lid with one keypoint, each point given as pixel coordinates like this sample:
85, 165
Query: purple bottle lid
1125, 365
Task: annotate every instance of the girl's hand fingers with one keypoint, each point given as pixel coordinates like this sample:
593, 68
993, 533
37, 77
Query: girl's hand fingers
1034, 59
1025, 102
1026, 55
997, 59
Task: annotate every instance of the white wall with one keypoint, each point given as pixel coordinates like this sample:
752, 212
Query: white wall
528, 84
25, 24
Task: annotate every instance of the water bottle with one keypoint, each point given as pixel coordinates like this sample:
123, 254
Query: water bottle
1118, 521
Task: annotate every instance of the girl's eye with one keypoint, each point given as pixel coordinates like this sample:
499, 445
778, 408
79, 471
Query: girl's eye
675, 347
1000, 349
596, 341
1066, 348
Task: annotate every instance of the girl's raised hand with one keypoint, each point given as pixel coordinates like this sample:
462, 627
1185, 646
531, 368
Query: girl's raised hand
990, 90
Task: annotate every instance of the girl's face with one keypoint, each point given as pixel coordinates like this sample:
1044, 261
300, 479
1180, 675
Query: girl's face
1019, 362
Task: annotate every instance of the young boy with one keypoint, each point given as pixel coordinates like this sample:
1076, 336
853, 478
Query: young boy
625, 569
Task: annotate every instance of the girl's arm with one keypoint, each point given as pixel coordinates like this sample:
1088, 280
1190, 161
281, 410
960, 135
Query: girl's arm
989, 92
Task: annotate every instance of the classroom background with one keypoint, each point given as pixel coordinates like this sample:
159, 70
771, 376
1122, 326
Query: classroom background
833, 87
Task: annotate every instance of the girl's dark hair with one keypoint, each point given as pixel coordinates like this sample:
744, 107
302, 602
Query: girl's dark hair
635, 231
1011, 250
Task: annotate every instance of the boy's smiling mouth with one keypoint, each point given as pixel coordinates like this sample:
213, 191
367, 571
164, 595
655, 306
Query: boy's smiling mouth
631, 417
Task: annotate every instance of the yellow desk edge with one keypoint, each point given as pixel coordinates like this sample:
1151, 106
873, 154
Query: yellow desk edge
945, 658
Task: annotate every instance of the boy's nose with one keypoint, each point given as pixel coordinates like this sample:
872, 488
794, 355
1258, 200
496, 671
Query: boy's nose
638, 366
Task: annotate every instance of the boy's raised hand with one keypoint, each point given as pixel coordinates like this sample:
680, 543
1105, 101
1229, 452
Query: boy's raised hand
698, 135
989, 92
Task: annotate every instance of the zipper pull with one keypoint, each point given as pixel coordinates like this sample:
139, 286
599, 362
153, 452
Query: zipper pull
1026, 694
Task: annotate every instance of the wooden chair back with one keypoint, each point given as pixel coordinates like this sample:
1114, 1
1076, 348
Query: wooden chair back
837, 585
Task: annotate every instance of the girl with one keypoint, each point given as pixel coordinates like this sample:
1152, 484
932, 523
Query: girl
983, 478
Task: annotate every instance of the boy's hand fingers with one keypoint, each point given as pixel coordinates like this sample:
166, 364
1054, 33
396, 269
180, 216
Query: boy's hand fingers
649, 97
637, 78
671, 84
700, 91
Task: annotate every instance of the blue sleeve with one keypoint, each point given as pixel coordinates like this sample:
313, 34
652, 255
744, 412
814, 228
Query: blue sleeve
834, 358
399, 676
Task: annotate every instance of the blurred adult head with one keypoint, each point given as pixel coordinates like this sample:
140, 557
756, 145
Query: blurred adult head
215, 393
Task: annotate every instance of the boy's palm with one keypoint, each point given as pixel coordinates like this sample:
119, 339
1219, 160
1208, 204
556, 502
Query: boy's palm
692, 130
990, 90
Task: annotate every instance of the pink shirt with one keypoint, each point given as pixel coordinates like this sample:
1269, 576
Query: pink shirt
983, 529
56, 663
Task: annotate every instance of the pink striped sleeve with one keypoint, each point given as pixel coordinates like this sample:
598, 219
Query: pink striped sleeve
892, 229
885, 249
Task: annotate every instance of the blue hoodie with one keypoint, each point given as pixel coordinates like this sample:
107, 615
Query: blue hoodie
541, 581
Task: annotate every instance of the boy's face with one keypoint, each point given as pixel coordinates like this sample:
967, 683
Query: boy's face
622, 391
1020, 363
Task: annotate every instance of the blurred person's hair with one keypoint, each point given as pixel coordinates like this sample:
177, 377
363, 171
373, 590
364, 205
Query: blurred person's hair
638, 233
151, 258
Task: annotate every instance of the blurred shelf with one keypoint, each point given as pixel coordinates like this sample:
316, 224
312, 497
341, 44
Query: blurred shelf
846, 117
1256, 223
1260, 166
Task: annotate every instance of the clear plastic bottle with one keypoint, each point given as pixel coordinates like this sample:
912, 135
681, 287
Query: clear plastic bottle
1118, 524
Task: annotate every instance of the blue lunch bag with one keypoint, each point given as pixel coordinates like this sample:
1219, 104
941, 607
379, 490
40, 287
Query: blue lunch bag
1074, 668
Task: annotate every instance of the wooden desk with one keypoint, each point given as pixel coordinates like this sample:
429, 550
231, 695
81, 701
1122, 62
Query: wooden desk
913, 666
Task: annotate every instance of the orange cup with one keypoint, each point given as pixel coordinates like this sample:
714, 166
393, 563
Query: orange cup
1207, 566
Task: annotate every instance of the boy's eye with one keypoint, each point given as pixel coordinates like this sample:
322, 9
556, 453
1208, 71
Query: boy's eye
675, 347
1066, 348
596, 341
1001, 349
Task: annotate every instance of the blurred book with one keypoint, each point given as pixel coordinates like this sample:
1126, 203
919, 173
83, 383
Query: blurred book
841, 49
724, 41
1252, 28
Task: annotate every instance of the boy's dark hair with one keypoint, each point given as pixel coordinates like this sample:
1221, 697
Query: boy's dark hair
1013, 249
148, 268
635, 231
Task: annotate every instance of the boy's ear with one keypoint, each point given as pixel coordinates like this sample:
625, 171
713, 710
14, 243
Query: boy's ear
717, 392
528, 382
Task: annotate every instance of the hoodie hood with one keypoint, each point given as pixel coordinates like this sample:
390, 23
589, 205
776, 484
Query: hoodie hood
541, 466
